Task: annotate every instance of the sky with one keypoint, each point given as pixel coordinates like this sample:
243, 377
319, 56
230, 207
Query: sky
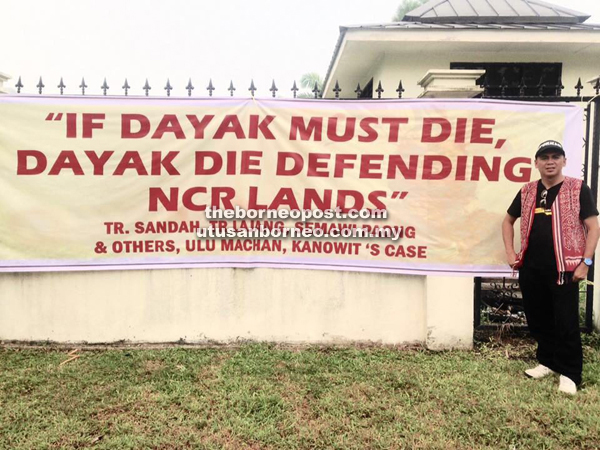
180, 39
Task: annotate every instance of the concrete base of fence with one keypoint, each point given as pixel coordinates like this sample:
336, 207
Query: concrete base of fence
229, 305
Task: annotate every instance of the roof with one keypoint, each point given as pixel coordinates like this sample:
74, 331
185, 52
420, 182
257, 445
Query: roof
473, 26
496, 11
502, 15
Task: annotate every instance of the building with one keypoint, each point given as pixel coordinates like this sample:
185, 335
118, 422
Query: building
515, 40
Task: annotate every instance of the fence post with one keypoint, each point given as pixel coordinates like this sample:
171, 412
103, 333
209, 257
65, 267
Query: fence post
592, 319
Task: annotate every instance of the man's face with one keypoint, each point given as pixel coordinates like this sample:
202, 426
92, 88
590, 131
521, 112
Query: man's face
550, 163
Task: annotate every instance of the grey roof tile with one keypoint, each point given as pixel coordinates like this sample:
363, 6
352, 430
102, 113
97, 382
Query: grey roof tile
445, 9
483, 8
521, 8
503, 9
464, 6
498, 11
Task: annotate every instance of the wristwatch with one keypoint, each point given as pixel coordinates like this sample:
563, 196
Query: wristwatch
588, 261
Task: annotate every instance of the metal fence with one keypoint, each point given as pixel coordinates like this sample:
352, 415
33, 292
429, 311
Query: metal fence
503, 90
498, 298
126, 88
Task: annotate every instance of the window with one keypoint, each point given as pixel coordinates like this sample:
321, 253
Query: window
515, 74
367, 91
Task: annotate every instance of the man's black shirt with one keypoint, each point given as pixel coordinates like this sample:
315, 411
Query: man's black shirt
540, 251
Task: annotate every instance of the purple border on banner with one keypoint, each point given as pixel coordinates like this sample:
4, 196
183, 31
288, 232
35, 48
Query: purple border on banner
571, 141
480, 271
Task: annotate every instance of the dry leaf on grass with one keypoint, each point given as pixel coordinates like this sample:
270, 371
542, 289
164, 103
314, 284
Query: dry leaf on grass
72, 358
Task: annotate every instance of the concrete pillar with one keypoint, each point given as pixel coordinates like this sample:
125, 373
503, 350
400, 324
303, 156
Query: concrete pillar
593, 81
3, 77
450, 83
449, 312
449, 300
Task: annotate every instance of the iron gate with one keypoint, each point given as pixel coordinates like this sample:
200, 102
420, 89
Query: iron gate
499, 298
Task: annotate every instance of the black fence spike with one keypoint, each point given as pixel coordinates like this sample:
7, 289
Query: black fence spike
273, 89
503, 86
210, 88
105, 87
61, 86
19, 85
252, 87
83, 86
597, 85
579, 87
358, 91
486, 86
146, 87
400, 89
126, 87
541, 86
168, 88
559, 86
379, 90
522, 87
190, 87
316, 90
40, 86
337, 90
231, 88
294, 89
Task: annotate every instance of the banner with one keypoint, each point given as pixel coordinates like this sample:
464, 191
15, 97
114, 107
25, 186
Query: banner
94, 183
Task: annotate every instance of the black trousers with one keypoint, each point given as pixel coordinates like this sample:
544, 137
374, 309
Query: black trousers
552, 313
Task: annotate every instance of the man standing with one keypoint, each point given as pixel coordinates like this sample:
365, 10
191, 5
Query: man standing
559, 234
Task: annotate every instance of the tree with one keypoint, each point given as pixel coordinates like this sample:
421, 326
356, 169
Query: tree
307, 82
407, 6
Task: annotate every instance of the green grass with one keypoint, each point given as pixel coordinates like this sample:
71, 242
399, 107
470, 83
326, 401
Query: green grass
261, 396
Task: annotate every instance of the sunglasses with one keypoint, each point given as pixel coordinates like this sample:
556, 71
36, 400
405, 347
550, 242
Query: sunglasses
543, 200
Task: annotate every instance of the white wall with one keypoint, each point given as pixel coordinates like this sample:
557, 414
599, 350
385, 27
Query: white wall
224, 305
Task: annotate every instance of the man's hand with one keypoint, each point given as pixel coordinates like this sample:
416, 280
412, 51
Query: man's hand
508, 235
580, 273
511, 259
593, 233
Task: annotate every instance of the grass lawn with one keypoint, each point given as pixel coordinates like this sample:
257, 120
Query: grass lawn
259, 396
